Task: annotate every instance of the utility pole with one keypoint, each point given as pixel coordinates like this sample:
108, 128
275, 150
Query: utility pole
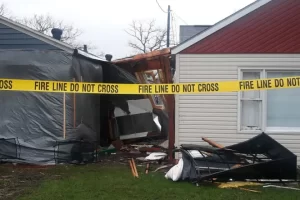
168, 26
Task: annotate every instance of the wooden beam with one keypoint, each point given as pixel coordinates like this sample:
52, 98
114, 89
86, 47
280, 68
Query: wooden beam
212, 143
74, 108
64, 118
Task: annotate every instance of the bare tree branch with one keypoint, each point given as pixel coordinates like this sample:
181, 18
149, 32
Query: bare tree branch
45, 23
134, 46
4, 11
146, 36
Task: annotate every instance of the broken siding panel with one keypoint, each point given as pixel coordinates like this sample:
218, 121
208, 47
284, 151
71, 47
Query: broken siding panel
215, 115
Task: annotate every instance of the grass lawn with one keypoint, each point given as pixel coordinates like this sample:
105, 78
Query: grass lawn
116, 182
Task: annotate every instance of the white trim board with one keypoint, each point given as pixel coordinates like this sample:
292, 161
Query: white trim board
225, 22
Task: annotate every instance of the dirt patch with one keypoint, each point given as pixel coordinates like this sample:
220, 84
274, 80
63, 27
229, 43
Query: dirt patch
15, 180
19, 179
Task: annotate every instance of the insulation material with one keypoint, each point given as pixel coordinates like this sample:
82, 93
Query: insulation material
135, 107
156, 156
138, 121
175, 172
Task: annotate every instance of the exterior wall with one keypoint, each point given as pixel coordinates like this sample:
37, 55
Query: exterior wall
215, 116
13, 39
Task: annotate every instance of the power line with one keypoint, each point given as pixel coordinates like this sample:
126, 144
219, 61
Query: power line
180, 18
160, 7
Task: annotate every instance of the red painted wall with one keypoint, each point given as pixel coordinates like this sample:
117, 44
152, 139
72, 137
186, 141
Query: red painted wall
272, 28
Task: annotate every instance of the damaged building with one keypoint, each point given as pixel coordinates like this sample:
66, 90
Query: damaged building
48, 128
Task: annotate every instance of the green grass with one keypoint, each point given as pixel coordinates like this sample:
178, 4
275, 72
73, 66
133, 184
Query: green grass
116, 182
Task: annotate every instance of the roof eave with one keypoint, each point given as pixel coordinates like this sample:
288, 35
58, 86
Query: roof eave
149, 55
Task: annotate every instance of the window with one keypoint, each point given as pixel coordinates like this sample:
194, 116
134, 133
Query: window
269, 110
251, 102
152, 77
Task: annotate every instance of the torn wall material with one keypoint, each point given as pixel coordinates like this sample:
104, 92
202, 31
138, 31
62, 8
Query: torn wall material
258, 158
138, 122
155, 67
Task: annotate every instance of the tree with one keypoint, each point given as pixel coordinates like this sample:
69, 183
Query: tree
4, 11
45, 23
146, 36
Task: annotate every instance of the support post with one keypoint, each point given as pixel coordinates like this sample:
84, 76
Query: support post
74, 107
64, 123
168, 26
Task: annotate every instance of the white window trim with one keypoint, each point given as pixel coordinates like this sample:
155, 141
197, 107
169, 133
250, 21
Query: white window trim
272, 130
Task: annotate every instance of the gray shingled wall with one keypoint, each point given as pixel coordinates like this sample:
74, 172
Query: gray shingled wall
13, 39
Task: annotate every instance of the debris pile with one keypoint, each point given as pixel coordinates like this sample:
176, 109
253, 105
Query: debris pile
260, 159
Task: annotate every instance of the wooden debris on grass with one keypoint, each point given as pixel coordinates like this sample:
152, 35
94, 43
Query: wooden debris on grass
133, 167
237, 184
147, 168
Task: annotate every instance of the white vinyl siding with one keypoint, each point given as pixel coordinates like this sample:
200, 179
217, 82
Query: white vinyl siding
216, 115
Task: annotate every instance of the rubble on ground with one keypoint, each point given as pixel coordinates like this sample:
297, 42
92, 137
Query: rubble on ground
260, 159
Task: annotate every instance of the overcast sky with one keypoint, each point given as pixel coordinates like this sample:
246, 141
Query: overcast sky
103, 21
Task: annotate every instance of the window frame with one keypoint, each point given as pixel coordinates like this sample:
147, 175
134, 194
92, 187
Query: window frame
260, 99
263, 93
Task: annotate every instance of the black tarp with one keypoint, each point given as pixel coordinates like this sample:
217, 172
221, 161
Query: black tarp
35, 119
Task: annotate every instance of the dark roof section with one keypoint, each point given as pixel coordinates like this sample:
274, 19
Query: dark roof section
188, 31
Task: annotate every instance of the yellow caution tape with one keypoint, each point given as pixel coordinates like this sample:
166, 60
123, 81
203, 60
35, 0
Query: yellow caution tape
183, 88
